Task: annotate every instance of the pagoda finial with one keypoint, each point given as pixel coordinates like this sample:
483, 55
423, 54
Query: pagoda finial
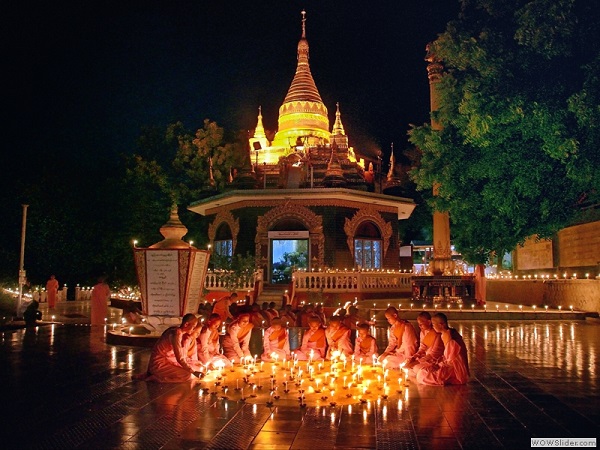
303, 24
338, 128
391, 171
259, 131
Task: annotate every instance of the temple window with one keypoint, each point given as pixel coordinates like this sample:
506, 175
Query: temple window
224, 248
367, 247
223, 245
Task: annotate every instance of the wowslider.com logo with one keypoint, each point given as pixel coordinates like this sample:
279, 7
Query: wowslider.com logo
563, 442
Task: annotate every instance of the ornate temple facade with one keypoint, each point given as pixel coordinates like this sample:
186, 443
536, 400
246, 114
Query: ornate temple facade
304, 200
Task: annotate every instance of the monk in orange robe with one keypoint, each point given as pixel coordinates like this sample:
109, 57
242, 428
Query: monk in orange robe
313, 340
236, 343
169, 362
338, 338
431, 347
276, 342
402, 340
453, 368
99, 302
52, 291
366, 346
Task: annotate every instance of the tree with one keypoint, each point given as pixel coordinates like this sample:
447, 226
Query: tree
517, 154
173, 167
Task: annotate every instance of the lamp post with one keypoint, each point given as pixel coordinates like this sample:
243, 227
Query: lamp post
22, 273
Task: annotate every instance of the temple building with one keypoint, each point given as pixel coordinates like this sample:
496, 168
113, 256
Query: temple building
304, 200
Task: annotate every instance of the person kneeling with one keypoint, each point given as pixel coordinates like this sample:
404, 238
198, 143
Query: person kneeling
169, 362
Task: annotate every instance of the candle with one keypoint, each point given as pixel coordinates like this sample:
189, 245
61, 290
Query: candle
262, 363
242, 393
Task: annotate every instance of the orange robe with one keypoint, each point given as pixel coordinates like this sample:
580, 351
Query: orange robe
99, 303
338, 340
365, 349
236, 343
275, 342
168, 361
312, 340
52, 290
452, 369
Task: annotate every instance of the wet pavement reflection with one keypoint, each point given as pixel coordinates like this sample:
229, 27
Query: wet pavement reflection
64, 387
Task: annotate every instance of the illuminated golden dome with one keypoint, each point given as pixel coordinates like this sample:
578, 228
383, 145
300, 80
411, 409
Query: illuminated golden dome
302, 114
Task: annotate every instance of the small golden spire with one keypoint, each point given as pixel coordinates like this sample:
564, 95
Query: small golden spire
303, 24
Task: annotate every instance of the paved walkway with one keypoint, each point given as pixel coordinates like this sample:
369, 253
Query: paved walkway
63, 387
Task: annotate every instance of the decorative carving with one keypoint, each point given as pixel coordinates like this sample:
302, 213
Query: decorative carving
232, 222
312, 222
367, 215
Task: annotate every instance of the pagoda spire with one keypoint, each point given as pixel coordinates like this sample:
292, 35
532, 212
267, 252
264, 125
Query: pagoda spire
338, 128
391, 171
302, 113
303, 87
259, 131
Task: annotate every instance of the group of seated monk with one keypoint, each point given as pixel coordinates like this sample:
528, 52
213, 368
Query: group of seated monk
437, 356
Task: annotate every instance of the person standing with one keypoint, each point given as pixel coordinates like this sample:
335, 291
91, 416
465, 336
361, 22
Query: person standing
99, 301
52, 291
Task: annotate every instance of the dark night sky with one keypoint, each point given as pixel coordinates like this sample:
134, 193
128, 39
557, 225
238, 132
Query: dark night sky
85, 77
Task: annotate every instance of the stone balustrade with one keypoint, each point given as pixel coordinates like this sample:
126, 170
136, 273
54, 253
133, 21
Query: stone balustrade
220, 280
356, 282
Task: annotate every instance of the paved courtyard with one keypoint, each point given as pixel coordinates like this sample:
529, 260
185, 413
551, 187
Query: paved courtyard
63, 387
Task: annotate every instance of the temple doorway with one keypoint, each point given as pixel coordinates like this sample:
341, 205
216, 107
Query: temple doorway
289, 251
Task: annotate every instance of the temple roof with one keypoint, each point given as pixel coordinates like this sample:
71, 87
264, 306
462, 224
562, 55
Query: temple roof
261, 197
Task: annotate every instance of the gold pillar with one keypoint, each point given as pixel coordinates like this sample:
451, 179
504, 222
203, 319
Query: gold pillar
442, 263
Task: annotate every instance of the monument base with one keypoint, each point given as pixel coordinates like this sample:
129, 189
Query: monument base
444, 288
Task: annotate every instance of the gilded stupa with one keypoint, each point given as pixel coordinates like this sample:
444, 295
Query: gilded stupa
303, 122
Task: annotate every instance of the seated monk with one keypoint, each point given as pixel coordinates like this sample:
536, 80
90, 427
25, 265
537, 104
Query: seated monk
168, 361
338, 338
276, 342
454, 366
402, 340
431, 347
208, 346
236, 344
313, 340
366, 346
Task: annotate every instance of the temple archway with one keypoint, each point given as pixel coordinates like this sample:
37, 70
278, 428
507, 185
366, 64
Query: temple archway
291, 222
